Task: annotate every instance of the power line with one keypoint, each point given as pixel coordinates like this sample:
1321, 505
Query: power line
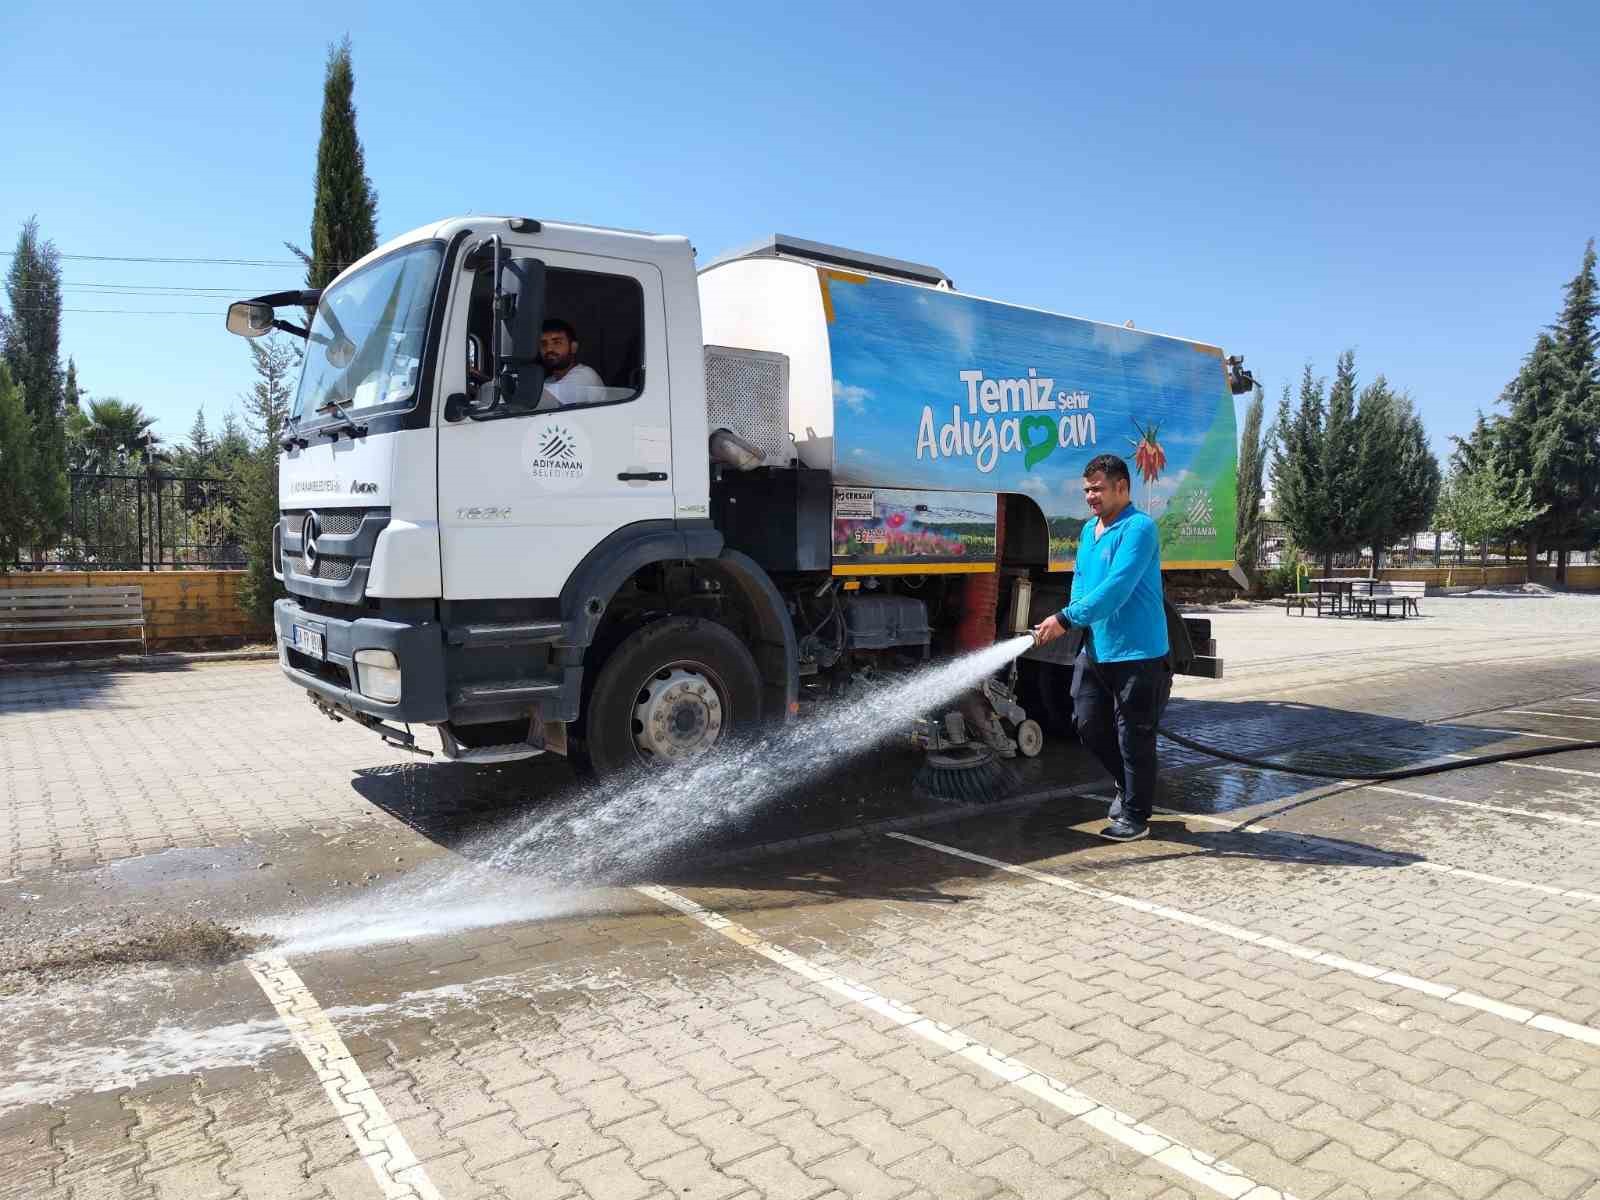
140, 312
138, 289
218, 262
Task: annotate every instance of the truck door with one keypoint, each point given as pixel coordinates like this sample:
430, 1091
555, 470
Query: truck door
523, 499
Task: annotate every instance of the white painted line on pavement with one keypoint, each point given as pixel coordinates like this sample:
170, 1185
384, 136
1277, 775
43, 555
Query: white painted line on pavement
378, 1139
1196, 1165
1548, 737
1583, 699
1235, 826
1560, 818
1440, 991
1533, 712
1523, 764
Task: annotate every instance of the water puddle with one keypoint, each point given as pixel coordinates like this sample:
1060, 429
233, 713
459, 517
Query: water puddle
624, 830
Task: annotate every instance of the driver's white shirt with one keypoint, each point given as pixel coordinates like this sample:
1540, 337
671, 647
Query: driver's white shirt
581, 385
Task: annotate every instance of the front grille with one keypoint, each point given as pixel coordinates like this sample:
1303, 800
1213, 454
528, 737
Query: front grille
329, 567
341, 522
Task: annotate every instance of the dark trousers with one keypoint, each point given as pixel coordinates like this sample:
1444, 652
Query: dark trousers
1116, 707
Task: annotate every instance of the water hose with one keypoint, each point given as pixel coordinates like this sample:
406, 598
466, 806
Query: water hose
1463, 764
1460, 764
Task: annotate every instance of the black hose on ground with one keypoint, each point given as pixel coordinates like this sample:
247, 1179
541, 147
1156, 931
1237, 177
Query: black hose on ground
1481, 760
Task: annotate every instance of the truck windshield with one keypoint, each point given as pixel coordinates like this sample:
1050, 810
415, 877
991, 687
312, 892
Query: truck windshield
365, 348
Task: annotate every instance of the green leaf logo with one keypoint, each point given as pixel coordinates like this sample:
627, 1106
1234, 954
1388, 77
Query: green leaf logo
1035, 452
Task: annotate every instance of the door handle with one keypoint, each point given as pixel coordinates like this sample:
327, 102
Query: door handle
643, 476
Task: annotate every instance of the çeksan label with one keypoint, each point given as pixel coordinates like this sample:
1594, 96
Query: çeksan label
852, 504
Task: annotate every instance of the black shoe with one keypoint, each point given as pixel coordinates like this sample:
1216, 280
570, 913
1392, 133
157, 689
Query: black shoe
1125, 829
1114, 813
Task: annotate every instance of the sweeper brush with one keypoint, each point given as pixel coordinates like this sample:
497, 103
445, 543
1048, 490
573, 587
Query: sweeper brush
963, 775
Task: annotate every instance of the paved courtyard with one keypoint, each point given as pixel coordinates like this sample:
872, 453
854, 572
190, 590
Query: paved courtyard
1295, 987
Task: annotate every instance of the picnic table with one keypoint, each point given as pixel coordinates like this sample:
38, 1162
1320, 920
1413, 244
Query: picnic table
1357, 597
1333, 597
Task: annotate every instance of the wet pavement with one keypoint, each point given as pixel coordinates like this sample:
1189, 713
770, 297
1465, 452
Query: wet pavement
1339, 989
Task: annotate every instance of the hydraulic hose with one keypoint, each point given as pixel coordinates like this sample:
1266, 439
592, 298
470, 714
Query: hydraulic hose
1481, 760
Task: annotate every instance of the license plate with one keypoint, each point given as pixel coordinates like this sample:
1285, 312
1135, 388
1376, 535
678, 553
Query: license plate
308, 641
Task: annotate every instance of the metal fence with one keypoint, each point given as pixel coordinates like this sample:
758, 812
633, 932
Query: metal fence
146, 522
1431, 549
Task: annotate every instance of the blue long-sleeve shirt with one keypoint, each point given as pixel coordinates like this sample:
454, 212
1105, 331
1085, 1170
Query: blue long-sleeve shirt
1116, 589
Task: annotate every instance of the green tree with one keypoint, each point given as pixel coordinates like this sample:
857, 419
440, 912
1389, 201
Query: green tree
1297, 490
15, 444
72, 396
1247, 507
1551, 430
32, 350
1481, 504
266, 406
113, 437
1404, 475
344, 215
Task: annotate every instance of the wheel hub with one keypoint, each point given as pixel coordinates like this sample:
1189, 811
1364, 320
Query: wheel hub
678, 716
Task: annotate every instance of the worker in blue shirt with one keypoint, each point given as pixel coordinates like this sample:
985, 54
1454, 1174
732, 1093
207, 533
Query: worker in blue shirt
1122, 678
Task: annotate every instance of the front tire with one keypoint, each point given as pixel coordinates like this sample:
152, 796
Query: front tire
668, 693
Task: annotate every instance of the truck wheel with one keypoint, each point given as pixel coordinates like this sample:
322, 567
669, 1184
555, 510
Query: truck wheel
670, 692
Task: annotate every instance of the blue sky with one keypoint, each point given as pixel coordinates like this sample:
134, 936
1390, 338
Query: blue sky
1279, 181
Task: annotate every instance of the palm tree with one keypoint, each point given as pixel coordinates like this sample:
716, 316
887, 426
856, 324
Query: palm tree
112, 436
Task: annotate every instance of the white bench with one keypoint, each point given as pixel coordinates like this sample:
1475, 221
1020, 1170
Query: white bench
1406, 593
48, 610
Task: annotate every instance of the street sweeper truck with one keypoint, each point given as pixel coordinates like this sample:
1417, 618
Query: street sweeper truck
549, 488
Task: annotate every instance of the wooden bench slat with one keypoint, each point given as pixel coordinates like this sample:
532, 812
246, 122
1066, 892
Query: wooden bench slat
58, 593
31, 626
76, 642
68, 605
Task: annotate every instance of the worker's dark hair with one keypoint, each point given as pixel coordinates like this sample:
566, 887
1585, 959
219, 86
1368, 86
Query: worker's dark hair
1109, 465
557, 325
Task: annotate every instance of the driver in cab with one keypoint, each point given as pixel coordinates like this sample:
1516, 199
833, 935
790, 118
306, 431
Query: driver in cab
566, 380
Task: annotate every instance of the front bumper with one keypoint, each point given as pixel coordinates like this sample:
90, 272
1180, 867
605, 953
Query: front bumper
417, 646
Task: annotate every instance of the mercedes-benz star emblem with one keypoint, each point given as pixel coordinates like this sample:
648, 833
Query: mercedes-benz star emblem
308, 542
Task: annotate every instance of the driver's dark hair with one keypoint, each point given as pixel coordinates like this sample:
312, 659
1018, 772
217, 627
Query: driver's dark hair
557, 325
1109, 465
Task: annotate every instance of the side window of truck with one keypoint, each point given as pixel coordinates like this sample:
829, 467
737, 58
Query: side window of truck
593, 339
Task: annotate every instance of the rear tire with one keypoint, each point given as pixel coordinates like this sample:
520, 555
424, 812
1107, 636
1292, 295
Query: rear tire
668, 693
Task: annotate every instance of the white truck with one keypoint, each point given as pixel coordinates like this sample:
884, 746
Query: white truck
548, 488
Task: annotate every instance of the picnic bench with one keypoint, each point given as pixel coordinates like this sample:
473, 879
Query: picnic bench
54, 610
1406, 594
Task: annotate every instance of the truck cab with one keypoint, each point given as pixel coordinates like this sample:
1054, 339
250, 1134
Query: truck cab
455, 524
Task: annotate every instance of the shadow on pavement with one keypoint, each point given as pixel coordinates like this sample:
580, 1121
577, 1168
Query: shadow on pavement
27, 691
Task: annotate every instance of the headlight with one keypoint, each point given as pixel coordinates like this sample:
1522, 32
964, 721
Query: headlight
378, 675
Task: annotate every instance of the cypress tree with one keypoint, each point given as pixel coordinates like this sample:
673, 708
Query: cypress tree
15, 446
344, 215
1247, 503
33, 352
1550, 434
1297, 465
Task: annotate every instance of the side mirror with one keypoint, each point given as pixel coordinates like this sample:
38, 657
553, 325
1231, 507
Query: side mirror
250, 319
520, 313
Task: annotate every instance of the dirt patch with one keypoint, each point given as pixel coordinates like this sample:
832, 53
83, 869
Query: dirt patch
126, 941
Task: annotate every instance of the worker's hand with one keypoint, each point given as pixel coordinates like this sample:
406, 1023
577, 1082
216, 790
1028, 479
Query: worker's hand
1048, 630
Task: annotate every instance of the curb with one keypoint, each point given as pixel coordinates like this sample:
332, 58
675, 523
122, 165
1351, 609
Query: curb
147, 662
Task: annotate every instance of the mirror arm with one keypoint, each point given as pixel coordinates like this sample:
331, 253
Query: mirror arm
299, 331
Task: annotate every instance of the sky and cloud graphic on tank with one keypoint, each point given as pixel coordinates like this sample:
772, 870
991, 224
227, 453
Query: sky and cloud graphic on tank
938, 390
